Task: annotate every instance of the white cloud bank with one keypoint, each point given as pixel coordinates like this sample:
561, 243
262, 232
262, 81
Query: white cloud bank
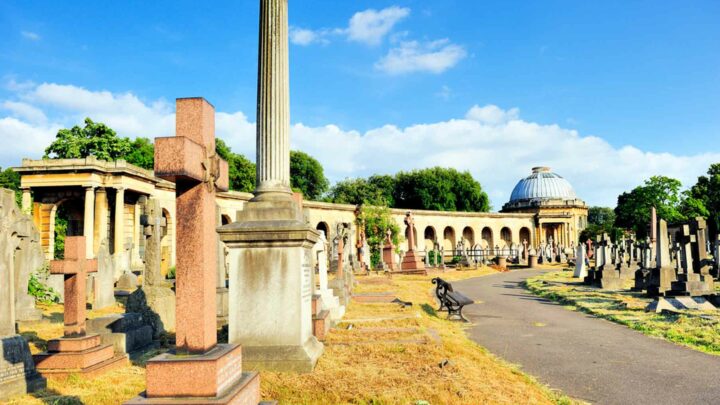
413, 56
494, 144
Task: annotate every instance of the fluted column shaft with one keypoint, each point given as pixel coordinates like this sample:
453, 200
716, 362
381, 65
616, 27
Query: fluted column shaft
89, 221
273, 108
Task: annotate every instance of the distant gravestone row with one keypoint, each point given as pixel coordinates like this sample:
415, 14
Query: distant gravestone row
679, 261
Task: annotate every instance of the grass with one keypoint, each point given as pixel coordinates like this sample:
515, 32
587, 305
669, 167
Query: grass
699, 330
381, 354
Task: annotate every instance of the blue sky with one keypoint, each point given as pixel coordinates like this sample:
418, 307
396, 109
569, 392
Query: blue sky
637, 82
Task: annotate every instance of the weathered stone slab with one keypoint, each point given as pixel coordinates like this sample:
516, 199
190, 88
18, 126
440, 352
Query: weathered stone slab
680, 304
125, 332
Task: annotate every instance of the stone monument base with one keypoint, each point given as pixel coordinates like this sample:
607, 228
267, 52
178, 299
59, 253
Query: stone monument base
412, 264
215, 377
299, 359
125, 332
84, 355
17, 371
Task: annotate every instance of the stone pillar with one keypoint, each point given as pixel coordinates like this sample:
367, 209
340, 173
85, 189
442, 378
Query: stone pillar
89, 222
26, 201
119, 220
273, 104
101, 218
271, 245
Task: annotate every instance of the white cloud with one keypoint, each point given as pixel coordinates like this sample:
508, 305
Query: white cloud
492, 114
371, 26
494, 144
413, 56
304, 37
25, 111
30, 35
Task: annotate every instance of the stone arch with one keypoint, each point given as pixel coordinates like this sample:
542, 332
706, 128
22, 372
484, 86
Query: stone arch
506, 236
323, 226
525, 236
71, 210
469, 235
487, 237
449, 238
430, 237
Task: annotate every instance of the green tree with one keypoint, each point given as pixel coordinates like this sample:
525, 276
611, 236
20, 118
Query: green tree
95, 139
439, 189
600, 220
706, 194
377, 190
378, 220
633, 208
241, 171
380, 189
307, 175
142, 153
10, 179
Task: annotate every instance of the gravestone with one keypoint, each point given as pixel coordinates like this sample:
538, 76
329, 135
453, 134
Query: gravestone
199, 370
127, 333
155, 301
18, 375
104, 280
695, 279
28, 259
388, 252
412, 262
127, 280
77, 352
271, 244
580, 265
662, 276
329, 301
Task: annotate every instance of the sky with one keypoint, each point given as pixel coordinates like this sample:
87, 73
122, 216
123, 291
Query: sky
606, 93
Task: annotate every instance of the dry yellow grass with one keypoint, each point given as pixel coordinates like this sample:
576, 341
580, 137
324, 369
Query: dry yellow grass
390, 355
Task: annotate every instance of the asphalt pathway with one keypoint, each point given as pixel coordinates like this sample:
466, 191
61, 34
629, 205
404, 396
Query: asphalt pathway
586, 357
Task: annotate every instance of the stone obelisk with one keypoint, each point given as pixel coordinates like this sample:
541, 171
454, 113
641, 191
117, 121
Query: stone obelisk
270, 244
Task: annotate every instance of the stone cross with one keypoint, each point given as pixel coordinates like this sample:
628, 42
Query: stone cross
189, 159
525, 249
698, 227
589, 249
154, 225
686, 240
75, 267
410, 222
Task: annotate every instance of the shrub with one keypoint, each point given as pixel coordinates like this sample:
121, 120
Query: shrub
42, 293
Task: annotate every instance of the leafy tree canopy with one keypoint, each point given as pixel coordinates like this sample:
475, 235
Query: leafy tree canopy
241, 170
95, 139
378, 220
439, 189
307, 175
142, 153
10, 179
704, 197
633, 208
600, 220
376, 190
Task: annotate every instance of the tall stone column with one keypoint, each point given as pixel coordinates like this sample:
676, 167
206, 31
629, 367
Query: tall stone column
101, 218
89, 222
119, 220
26, 201
270, 245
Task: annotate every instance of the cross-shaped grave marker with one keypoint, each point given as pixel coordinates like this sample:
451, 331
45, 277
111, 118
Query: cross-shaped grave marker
75, 267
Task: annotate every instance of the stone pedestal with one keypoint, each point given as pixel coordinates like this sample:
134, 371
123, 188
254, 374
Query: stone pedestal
502, 262
270, 294
214, 377
532, 261
17, 370
85, 355
412, 263
125, 332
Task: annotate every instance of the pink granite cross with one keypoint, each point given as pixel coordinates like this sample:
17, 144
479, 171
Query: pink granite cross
75, 267
589, 248
189, 159
410, 222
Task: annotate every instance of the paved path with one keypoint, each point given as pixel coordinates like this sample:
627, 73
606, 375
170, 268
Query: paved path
585, 357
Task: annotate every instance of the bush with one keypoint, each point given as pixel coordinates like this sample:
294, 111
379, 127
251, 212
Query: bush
171, 273
456, 259
42, 293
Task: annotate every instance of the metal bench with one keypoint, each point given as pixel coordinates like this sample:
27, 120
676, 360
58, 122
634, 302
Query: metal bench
449, 299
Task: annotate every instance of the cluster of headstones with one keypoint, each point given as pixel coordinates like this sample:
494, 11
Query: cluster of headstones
679, 261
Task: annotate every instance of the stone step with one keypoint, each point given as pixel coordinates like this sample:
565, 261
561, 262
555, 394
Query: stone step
321, 325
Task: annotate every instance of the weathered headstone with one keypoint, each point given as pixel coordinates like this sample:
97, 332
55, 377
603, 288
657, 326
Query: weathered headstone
388, 252
77, 352
662, 276
104, 280
329, 301
580, 265
17, 370
28, 259
695, 279
199, 369
155, 301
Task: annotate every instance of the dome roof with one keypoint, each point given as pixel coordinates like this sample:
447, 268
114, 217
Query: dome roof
542, 184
